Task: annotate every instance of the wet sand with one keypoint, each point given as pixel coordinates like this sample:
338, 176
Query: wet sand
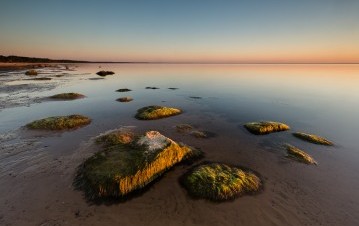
37, 170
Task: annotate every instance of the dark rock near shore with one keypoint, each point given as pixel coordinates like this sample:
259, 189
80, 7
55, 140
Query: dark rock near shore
125, 99
123, 90
104, 73
31, 73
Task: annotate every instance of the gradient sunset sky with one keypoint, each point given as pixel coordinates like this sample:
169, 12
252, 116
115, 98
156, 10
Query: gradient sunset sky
270, 31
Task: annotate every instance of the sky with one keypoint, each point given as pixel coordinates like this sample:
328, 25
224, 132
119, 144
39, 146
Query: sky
213, 31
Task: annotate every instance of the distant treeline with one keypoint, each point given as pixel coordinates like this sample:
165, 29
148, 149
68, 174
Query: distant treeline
20, 59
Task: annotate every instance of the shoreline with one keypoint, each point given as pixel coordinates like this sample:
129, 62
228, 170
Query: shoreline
21, 66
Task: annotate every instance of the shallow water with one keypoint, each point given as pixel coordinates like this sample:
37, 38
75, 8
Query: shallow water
37, 169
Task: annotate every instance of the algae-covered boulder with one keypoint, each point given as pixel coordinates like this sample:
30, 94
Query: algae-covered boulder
265, 127
104, 73
125, 99
125, 167
313, 138
220, 182
31, 73
60, 122
299, 155
156, 112
67, 96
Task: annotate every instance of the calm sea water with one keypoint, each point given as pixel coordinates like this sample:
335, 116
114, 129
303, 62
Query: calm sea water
319, 99
322, 99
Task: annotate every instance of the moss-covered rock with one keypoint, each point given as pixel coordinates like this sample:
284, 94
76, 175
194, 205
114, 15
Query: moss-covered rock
125, 99
265, 127
125, 167
31, 73
116, 137
67, 96
123, 90
299, 155
220, 182
104, 73
156, 112
313, 138
60, 122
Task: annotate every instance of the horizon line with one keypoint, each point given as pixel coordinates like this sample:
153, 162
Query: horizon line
167, 62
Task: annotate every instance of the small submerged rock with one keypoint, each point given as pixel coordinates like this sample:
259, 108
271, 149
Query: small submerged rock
151, 87
40, 79
125, 99
68, 96
123, 90
199, 134
299, 155
156, 112
172, 88
265, 127
194, 97
60, 122
104, 73
313, 138
188, 129
31, 73
220, 182
124, 167
182, 128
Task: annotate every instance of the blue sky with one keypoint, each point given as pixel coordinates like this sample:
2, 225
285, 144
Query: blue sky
184, 31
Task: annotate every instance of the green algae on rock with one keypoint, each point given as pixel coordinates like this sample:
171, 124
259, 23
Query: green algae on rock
67, 96
313, 138
60, 122
116, 137
220, 182
31, 73
156, 112
299, 155
124, 99
125, 167
104, 73
265, 127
